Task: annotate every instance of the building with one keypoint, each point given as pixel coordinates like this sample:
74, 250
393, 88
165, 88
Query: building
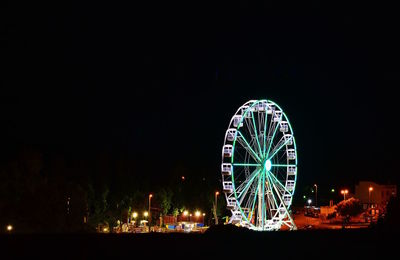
374, 195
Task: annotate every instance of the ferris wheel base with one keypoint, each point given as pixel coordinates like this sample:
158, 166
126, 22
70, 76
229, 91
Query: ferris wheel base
282, 225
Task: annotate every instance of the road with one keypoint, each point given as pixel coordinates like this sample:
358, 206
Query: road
302, 222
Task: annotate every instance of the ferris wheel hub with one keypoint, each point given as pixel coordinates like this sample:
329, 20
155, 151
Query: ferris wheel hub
268, 165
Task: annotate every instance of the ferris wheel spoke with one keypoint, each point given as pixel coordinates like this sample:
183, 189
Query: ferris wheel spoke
248, 147
284, 206
271, 198
282, 202
282, 165
272, 195
247, 164
254, 200
250, 181
255, 132
278, 181
275, 150
272, 139
263, 200
265, 134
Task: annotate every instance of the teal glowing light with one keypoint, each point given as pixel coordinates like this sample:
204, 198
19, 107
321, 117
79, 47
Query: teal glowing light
268, 165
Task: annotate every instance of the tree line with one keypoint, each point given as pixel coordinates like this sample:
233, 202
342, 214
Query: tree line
43, 192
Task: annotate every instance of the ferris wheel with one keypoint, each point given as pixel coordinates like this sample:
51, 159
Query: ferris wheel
259, 167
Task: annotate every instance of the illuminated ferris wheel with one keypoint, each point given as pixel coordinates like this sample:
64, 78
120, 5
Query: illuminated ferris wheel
259, 167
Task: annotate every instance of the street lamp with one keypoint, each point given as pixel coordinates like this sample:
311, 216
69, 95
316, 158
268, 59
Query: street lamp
134, 215
309, 202
369, 194
344, 192
9, 228
145, 214
316, 195
215, 207
150, 196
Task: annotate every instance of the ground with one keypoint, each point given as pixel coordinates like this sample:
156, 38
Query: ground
221, 243
304, 222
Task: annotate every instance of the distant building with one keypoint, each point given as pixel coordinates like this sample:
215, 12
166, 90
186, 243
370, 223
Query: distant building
374, 195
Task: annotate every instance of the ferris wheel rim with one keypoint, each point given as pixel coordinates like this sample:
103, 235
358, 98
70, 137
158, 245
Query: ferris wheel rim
249, 106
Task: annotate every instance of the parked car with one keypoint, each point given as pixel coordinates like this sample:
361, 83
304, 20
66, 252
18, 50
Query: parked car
312, 211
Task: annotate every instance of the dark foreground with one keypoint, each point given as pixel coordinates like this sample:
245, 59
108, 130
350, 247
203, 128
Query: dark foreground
339, 244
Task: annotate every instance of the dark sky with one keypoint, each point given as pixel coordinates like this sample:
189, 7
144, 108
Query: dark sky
160, 83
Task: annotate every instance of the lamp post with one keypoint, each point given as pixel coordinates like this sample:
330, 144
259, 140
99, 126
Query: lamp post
197, 215
316, 195
185, 214
344, 192
215, 207
150, 196
369, 195
134, 215
9, 228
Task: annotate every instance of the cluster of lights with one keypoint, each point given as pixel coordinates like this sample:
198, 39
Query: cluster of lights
197, 213
135, 214
343, 192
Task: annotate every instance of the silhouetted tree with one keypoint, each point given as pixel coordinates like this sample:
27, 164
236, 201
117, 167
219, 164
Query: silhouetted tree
165, 198
351, 207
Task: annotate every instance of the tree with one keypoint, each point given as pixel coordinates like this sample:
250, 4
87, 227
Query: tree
392, 215
165, 198
98, 207
349, 208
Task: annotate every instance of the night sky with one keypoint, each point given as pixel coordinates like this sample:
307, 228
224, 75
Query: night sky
159, 84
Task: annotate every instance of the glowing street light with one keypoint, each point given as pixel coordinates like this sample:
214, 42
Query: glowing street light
134, 216
185, 214
150, 196
215, 207
309, 202
145, 214
197, 214
316, 195
9, 228
369, 194
344, 192
332, 190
